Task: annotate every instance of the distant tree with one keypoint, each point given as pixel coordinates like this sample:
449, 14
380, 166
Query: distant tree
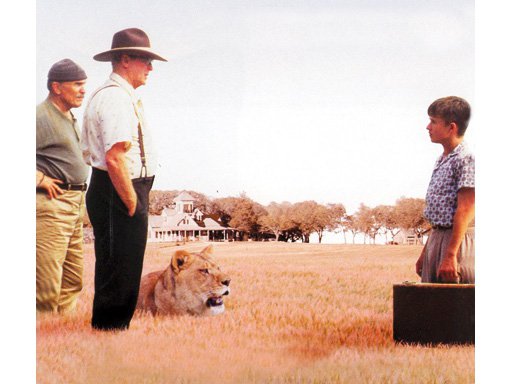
158, 200
277, 219
223, 207
309, 217
301, 215
241, 213
409, 215
292, 232
338, 215
386, 216
349, 223
344, 227
366, 223
323, 220
202, 202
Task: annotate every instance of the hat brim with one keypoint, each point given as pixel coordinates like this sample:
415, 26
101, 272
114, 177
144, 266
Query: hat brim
108, 55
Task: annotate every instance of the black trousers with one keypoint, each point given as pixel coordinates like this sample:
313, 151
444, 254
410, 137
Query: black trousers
119, 245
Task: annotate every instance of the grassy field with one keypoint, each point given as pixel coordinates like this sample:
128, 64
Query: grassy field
297, 313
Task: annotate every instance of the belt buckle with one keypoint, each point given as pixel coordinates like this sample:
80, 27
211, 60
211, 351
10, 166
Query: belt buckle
75, 187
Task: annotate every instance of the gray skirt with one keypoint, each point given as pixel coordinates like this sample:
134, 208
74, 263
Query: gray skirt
435, 248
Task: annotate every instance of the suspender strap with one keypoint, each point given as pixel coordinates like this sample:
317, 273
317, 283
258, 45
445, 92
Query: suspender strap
139, 131
102, 88
141, 145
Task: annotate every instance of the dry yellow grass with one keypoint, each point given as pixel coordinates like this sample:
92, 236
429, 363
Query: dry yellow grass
297, 313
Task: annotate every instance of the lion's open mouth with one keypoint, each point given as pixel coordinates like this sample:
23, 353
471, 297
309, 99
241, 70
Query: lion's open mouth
214, 301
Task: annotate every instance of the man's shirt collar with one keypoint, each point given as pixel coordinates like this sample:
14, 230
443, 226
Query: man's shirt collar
123, 83
460, 148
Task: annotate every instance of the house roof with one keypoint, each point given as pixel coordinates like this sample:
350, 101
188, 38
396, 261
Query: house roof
212, 224
155, 221
171, 219
183, 196
168, 211
175, 220
184, 221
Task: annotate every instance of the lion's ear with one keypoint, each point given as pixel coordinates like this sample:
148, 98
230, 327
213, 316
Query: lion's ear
166, 281
207, 251
180, 260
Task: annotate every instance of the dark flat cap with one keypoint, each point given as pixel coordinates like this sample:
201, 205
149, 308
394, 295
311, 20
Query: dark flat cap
66, 70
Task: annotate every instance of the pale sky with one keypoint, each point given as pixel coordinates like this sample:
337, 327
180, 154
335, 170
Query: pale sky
283, 100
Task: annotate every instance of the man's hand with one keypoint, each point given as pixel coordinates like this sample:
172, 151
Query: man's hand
118, 172
419, 263
132, 205
49, 184
447, 272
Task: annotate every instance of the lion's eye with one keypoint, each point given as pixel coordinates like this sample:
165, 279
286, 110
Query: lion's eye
205, 271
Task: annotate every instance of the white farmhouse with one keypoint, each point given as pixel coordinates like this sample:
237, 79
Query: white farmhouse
183, 222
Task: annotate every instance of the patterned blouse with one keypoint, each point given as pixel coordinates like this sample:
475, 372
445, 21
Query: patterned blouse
455, 171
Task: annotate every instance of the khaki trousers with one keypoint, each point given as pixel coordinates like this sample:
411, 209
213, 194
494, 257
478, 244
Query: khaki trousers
59, 250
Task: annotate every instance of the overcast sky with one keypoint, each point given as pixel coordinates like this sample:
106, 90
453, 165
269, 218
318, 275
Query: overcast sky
283, 100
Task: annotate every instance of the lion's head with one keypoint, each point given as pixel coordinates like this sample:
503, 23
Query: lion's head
196, 284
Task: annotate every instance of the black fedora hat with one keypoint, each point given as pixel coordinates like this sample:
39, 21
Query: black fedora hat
132, 41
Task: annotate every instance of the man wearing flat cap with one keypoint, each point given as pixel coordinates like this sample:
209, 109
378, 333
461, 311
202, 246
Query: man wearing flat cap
60, 184
116, 142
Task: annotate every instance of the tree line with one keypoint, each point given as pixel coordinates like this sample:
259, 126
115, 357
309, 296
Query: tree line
297, 221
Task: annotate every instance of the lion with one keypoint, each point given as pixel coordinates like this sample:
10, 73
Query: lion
192, 284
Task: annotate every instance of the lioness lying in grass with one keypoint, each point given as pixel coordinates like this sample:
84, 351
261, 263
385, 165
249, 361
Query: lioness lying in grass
191, 284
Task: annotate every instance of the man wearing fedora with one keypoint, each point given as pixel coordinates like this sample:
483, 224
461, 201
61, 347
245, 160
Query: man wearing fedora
60, 184
116, 142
